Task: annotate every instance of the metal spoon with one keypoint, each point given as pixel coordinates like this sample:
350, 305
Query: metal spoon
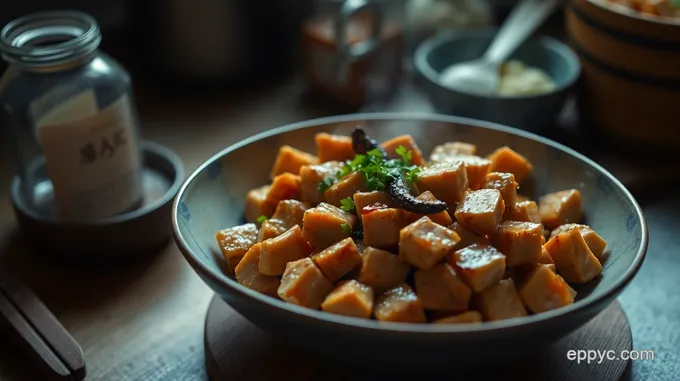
481, 76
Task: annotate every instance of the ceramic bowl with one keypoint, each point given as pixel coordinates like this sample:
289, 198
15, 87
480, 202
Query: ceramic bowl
212, 198
530, 112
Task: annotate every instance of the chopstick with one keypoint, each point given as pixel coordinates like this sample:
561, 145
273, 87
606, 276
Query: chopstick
30, 323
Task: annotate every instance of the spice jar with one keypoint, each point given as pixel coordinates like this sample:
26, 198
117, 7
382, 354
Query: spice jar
68, 113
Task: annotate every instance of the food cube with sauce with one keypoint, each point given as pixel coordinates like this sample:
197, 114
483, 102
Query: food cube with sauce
247, 273
312, 175
381, 269
399, 304
290, 212
440, 288
350, 298
446, 151
303, 284
256, 204
374, 199
289, 160
545, 258
595, 242
524, 211
481, 211
479, 265
326, 224
506, 160
442, 218
520, 242
424, 243
271, 228
446, 180
333, 147
275, 253
573, 258
344, 188
390, 147
382, 226
500, 301
285, 186
338, 259
543, 290
235, 242
476, 168
463, 318
467, 237
560, 208
504, 183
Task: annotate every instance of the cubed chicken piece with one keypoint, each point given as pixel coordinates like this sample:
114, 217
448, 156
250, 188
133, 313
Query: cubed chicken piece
560, 208
522, 273
326, 224
303, 284
467, 237
247, 273
504, 183
271, 228
399, 304
257, 205
479, 265
290, 212
524, 211
447, 181
333, 147
445, 151
312, 175
442, 218
500, 301
350, 298
464, 318
440, 288
289, 160
372, 200
481, 211
424, 243
596, 243
345, 187
284, 187
544, 290
235, 243
545, 258
573, 258
338, 259
407, 142
506, 160
475, 167
275, 253
519, 241
381, 269
382, 226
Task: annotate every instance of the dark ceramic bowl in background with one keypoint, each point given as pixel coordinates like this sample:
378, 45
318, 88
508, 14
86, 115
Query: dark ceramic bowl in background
212, 198
530, 112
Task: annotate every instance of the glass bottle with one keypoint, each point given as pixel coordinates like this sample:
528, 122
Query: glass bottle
69, 116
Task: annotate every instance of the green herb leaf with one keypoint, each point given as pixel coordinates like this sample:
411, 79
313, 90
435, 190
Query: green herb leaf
411, 174
404, 154
346, 228
261, 219
325, 184
347, 204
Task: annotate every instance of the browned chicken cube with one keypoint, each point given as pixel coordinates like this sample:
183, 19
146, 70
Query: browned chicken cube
289, 160
345, 187
303, 284
507, 160
312, 175
326, 224
372, 200
333, 147
407, 142
440, 288
235, 242
381, 269
467, 237
290, 212
481, 211
545, 258
382, 226
285, 186
399, 304
504, 183
544, 290
447, 181
573, 258
257, 205
464, 318
350, 298
271, 228
524, 211
500, 301
595, 242
519, 241
479, 265
475, 167
248, 275
447, 150
560, 208
276, 252
424, 243
338, 259
442, 218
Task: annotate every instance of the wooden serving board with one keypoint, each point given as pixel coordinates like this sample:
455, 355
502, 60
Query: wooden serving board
236, 350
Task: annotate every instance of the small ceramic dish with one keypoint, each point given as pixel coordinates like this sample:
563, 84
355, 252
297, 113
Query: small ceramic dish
530, 112
212, 198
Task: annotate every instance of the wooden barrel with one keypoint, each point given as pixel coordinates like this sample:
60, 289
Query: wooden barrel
630, 84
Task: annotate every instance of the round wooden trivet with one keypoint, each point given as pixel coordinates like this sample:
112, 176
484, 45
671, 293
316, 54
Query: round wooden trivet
236, 350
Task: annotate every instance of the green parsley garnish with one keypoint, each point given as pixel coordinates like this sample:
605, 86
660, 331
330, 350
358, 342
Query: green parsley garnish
411, 175
404, 154
325, 184
346, 228
347, 204
261, 219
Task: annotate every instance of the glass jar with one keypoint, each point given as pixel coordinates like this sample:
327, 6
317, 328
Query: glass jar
69, 116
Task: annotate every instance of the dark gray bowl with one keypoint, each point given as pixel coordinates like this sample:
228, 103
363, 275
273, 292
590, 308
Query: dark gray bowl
212, 198
527, 112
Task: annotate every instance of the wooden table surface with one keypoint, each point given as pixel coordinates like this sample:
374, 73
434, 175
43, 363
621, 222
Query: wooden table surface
144, 321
